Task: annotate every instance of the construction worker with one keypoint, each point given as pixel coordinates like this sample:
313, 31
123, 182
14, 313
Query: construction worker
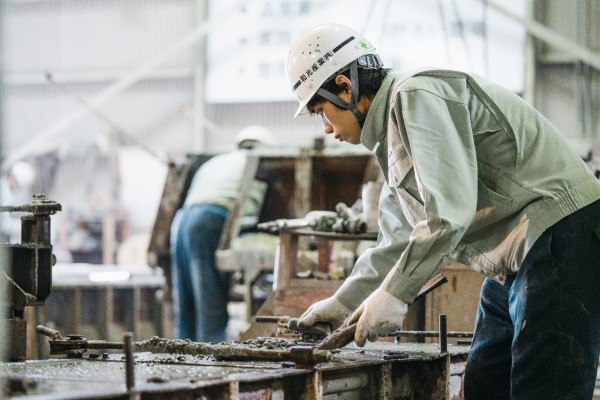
200, 290
478, 177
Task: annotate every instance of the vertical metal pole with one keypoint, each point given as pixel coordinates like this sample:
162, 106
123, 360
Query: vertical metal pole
529, 92
443, 334
76, 310
137, 310
200, 61
129, 363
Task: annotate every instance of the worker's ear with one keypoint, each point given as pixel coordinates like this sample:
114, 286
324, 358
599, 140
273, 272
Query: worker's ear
345, 82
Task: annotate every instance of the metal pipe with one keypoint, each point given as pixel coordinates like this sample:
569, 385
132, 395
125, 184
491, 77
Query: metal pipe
443, 334
129, 362
542, 32
199, 73
451, 334
529, 93
99, 77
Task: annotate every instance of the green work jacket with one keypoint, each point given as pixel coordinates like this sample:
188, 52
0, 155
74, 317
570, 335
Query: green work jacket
218, 182
474, 176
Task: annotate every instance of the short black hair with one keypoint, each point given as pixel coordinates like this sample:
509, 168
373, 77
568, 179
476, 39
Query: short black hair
369, 82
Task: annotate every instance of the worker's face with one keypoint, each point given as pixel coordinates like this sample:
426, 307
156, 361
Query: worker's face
337, 121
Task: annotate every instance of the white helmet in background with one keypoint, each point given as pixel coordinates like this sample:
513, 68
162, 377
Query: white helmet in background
254, 133
23, 173
320, 53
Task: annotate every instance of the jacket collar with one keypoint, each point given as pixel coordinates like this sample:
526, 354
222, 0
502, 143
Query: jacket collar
375, 126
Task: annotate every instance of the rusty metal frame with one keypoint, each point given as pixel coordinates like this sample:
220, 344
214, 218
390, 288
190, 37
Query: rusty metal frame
375, 372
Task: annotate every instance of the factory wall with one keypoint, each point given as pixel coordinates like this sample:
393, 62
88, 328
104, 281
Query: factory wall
62, 53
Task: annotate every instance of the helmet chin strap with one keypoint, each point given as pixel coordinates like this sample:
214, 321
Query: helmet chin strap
360, 117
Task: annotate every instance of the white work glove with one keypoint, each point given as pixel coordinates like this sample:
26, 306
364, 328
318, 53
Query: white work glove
329, 310
379, 315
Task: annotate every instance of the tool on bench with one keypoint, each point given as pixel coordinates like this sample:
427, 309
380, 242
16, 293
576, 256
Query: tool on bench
343, 336
74, 345
287, 324
433, 334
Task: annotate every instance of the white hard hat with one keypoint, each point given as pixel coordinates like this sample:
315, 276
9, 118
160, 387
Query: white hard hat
23, 173
318, 54
257, 133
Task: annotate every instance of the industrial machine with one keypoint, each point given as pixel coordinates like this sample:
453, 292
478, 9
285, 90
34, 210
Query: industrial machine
27, 275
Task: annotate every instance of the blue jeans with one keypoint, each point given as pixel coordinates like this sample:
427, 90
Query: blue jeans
200, 291
537, 336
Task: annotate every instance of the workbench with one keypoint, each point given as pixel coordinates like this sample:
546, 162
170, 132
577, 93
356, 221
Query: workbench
286, 262
377, 371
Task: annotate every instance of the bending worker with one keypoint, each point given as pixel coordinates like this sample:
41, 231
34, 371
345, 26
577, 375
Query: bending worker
478, 177
200, 290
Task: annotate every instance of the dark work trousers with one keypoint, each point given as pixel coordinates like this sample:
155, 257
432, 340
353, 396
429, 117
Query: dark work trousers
200, 290
537, 336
